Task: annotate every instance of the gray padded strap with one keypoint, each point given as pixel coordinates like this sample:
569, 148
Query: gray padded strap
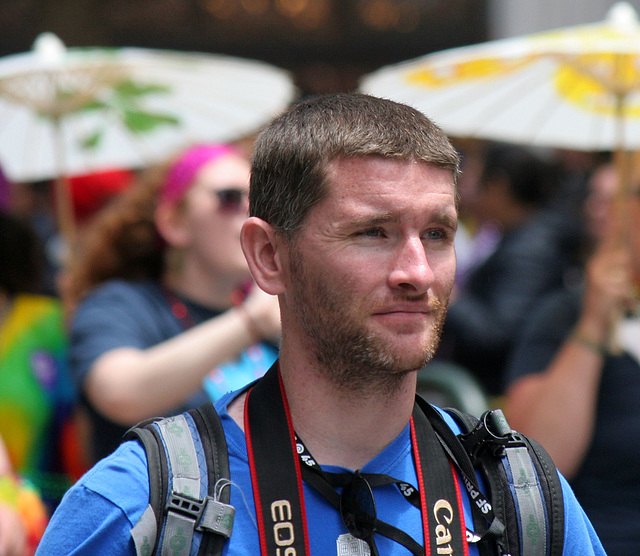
178, 533
530, 503
144, 532
182, 455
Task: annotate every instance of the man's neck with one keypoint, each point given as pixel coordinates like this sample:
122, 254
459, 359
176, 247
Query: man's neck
215, 294
341, 428
344, 429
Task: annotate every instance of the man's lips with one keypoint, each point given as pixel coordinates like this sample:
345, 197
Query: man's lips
403, 315
413, 308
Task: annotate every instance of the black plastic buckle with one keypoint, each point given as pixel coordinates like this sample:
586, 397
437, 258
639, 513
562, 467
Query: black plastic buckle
491, 433
185, 506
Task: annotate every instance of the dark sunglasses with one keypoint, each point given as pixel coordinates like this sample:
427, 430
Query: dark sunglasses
358, 510
231, 199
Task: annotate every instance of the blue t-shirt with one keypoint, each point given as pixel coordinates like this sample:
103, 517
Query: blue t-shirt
100, 510
120, 314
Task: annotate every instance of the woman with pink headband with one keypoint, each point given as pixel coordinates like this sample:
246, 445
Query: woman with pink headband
164, 313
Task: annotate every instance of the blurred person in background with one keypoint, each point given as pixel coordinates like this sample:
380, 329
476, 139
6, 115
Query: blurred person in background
33, 203
164, 312
531, 257
475, 239
575, 373
36, 394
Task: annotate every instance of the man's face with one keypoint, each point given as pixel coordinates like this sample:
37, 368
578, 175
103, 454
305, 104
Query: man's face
372, 268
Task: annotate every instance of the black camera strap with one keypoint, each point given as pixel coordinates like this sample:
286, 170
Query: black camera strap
278, 467
275, 472
487, 524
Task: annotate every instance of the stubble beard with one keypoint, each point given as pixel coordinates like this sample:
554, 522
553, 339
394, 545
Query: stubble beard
355, 360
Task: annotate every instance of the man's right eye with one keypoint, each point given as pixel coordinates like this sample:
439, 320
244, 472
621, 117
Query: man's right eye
372, 232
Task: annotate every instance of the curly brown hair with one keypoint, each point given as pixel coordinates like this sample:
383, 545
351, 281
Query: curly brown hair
121, 241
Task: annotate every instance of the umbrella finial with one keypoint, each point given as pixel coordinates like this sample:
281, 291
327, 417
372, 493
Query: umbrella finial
49, 48
623, 16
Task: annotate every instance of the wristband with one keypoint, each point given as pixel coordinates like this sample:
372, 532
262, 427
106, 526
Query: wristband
583, 340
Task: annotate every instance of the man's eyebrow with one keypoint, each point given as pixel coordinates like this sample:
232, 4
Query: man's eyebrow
448, 220
374, 220
444, 218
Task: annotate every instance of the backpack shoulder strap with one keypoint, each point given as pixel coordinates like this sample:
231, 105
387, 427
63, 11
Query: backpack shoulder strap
523, 480
188, 472
465, 421
214, 446
552, 489
145, 532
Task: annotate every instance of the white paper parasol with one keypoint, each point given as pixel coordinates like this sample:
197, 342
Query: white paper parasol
575, 88
76, 110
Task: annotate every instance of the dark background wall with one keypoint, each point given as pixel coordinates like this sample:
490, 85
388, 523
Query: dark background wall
327, 44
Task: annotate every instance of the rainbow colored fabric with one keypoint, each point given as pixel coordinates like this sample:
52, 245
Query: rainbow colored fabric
36, 395
24, 498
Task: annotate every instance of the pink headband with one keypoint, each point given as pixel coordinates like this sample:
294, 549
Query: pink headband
182, 173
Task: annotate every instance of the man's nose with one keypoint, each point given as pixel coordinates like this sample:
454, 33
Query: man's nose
411, 270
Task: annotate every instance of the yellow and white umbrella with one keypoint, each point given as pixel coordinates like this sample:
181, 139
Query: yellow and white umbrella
575, 88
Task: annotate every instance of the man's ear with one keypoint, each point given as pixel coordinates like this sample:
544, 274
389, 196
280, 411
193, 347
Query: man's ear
263, 249
170, 224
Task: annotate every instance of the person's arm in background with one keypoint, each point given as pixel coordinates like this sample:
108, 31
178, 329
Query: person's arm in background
128, 385
557, 406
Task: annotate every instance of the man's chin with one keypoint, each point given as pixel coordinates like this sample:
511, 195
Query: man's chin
413, 352
407, 365
403, 360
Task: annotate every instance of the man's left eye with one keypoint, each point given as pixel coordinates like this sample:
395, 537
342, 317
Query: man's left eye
372, 232
437, 234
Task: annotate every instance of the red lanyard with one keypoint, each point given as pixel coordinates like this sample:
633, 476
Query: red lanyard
178, 309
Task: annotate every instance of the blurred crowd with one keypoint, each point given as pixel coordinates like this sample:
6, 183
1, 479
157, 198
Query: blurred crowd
151, 310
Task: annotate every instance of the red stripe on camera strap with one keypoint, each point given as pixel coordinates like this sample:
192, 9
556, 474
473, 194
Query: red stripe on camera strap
271, 447
440, 496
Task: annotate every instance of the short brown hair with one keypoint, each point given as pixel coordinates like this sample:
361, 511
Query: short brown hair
292, 153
